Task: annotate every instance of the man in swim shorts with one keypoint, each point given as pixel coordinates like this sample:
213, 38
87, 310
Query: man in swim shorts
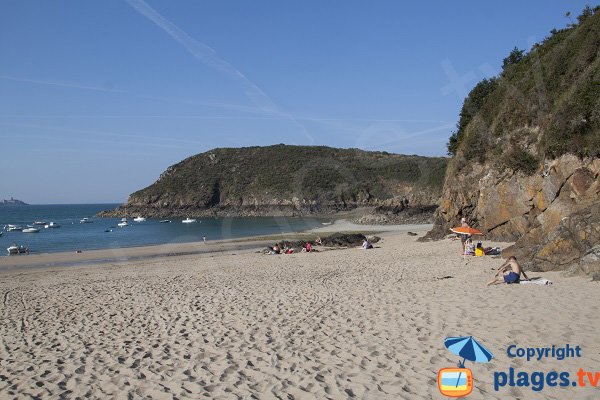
509, 272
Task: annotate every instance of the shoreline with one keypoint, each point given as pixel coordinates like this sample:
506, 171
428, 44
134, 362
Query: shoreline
169, 250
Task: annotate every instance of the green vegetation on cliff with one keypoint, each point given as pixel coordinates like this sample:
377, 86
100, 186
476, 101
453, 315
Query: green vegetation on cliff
544, 104
320, 177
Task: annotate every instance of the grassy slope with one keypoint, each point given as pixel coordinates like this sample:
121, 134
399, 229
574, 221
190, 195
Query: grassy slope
546, 105
306, 172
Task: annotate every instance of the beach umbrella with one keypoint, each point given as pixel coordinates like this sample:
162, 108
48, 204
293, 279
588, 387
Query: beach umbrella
465, 230
469, 349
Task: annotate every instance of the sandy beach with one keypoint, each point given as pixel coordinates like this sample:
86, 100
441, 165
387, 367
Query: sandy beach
237, 324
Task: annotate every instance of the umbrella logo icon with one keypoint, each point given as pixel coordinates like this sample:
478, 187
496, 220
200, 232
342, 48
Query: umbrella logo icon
458, 382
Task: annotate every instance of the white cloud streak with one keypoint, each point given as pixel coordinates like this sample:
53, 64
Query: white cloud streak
205, 54
70, 85
209, 57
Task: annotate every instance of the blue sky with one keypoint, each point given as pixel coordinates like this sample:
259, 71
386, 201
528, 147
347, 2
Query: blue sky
97, 98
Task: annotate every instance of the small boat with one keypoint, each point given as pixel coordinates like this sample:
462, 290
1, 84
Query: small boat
165, 221
124, 219
85, 220
14, 249
123, 223
139, 219
188, 221
13, 228
51, 225
31, 229
39, 223
108, 230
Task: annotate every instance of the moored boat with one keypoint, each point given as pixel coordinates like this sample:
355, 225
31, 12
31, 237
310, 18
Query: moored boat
31, 229
123, 223
13, 228
14, 249
39, 223
165, 221
188, 221
51, 225
139, 219
85, 220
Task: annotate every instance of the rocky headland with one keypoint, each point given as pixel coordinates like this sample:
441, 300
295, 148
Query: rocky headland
286, 180
525, 164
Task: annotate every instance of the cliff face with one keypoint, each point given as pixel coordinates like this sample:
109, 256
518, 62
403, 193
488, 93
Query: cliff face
288, 180
526, 167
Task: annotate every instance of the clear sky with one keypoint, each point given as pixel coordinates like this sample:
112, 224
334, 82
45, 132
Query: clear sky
97, 98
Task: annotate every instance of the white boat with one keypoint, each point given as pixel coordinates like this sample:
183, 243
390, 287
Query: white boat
14, 249
139, 219
39, 223
51, 225
123, 223
13, 228
31, 229
124, 219
165, 221
85, 220
188, 221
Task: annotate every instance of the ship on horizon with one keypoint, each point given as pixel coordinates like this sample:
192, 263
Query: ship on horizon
13, 202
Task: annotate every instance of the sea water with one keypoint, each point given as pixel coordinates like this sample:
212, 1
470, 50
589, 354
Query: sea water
73, 235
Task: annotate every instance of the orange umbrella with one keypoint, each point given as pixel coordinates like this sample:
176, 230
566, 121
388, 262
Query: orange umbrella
466, 230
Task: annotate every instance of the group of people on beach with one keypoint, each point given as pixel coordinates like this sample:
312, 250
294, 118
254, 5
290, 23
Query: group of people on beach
306, 248
509, 272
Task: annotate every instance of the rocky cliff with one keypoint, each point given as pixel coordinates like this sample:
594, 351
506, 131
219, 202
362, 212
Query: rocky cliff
525, 165
289, 180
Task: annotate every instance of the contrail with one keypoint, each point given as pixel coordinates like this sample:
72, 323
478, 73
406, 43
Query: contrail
205, 54
61, 84
208, 56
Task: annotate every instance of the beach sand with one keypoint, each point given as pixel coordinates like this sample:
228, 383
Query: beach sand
238, 324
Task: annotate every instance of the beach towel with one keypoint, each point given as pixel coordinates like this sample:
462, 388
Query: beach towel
541, 281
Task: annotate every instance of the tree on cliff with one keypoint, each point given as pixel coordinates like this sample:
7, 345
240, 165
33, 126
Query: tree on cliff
470, 108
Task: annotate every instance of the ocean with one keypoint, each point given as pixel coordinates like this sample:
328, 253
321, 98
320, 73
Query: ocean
73, 235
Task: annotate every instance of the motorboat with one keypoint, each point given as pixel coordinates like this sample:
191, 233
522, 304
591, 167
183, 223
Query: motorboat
13, 228
188, 221
51, 225
124, 219
123, 223
31, 229
39, 223
14, 249
139, 219
165, 221
85, 220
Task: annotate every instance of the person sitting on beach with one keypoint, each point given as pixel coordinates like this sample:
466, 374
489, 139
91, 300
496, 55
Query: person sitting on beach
318, 241
308, 247
509, 272
275, 249
464, 237
367, 245
469, 248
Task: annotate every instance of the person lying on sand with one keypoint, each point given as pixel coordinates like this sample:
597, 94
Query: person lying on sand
509, 272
